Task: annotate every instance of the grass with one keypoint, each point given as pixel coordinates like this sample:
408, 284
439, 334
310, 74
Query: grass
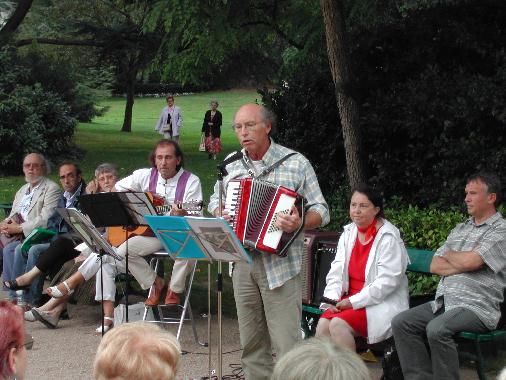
103, 142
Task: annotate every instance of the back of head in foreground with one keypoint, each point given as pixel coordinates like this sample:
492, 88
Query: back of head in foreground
320, 359
137, 351
12, 337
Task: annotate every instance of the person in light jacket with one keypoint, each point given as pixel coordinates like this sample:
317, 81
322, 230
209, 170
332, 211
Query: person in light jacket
171, 120
367, 277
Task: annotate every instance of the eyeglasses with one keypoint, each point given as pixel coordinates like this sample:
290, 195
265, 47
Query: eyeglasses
28, 342
70, 176
249, 126
33, 165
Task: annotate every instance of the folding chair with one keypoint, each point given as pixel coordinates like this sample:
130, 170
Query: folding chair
184, 310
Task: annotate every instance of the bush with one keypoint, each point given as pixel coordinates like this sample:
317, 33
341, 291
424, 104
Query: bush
80, 89
32, 119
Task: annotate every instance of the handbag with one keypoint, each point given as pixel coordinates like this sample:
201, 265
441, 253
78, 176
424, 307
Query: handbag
391, 365
167, 128
202, 146
7, 238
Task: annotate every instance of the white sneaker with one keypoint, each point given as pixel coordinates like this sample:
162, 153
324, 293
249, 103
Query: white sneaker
29, 316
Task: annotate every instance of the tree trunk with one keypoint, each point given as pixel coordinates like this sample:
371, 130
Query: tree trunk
335, 32
14, 21
131, 79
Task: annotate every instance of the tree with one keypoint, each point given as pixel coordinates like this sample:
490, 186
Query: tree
117, 31
340, 68
12, 24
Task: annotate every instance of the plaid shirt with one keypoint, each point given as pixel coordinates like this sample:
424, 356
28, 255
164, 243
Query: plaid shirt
295, 173
480, 291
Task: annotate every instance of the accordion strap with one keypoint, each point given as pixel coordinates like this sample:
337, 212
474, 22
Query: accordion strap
247, 164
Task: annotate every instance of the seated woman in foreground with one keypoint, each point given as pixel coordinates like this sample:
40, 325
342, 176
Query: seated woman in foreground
367, 277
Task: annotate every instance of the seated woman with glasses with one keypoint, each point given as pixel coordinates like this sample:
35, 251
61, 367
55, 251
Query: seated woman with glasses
13, 342
367, 279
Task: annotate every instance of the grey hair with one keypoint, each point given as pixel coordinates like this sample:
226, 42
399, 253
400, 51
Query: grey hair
214, 101
106, 168
320, 359
45, 162
269, 117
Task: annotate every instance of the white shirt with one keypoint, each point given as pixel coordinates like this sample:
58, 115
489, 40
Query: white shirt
24, 206
139, 181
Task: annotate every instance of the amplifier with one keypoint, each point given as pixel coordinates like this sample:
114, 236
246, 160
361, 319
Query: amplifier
319, 252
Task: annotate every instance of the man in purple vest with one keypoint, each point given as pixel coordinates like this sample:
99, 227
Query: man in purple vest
168, 179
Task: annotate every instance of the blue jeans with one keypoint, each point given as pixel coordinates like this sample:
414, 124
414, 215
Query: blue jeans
24, 263
8, 258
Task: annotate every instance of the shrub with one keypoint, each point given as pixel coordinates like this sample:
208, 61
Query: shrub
32, 119
80, 88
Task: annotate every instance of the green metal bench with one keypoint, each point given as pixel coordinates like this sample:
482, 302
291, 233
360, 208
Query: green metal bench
6, 207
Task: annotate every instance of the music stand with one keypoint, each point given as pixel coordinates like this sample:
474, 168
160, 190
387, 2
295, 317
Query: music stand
93, 239
198, 238
125, 209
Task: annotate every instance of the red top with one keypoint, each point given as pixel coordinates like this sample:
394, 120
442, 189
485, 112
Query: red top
357, 319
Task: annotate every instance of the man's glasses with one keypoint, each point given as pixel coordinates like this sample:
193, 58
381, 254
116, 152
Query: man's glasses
28, 342
70, 176
248, 126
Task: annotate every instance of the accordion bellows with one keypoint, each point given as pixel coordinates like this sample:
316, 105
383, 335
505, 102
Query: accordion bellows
254, 206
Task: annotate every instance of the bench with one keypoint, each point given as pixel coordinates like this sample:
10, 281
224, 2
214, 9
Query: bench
420, 261
7, 208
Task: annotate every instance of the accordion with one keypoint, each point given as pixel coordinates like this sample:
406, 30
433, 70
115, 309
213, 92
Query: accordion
254, 206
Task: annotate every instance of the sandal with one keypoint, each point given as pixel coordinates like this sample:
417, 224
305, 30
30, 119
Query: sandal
98, 330
54, 292
13, 285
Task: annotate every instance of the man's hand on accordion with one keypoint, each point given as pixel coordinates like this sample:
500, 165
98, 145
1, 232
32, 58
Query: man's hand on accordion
289, 222
224, 214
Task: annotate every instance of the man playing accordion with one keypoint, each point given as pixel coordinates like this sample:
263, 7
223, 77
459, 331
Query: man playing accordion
268, 292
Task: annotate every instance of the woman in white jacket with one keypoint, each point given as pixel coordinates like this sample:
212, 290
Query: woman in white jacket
367, 278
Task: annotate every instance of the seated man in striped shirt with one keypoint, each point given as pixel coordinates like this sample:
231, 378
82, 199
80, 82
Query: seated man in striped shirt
472, 265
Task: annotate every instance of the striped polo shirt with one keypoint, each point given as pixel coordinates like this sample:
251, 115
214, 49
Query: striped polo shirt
480, 291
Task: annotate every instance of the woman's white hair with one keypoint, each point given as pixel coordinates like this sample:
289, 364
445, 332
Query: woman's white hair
320, 359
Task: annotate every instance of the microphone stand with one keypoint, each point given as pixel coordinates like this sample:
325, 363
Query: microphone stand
222, 172
219, 285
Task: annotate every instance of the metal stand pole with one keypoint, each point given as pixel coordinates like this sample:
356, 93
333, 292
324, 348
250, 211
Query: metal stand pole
127, 282
102, 291
209, 314
221, 173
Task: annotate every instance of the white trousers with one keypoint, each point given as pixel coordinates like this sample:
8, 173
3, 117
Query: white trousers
138, 247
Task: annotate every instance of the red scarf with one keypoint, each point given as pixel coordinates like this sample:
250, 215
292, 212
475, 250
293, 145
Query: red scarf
369, 231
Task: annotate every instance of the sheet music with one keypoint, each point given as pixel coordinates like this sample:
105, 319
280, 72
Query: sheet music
139, 205
90, 235
192, 237
218, 238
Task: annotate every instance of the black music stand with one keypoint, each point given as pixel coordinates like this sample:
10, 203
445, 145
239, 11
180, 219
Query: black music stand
93, 238
118, 209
